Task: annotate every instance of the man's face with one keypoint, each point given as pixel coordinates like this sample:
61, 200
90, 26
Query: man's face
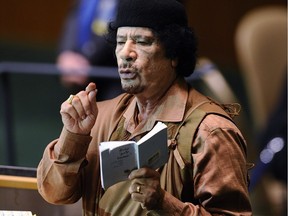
142, 65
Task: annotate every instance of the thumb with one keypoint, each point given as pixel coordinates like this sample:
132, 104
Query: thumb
90, 87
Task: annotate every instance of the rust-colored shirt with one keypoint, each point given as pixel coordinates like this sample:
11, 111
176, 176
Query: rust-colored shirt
69, 168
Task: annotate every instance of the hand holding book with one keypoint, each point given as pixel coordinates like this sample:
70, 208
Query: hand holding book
119, 158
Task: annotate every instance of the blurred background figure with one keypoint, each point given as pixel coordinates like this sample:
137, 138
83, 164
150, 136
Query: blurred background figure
261, 45
271, 167
83, 44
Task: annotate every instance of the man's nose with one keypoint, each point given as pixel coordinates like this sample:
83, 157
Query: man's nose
128, 52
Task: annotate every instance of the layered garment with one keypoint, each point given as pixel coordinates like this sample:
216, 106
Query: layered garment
210, 179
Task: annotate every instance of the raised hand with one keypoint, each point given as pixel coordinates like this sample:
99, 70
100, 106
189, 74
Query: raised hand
80, 111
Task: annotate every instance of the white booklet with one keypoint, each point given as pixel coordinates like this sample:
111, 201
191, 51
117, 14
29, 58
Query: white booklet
119, 158
16, 213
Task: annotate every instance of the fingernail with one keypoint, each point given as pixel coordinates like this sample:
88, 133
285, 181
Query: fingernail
93, 92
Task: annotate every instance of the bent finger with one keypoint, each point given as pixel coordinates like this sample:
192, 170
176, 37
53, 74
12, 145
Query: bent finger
69, 111
83, 96
78, 106
144, 173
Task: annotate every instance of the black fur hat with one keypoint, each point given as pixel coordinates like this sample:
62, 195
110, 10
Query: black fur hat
154, 14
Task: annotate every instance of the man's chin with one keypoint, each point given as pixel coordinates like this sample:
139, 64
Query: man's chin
131, 89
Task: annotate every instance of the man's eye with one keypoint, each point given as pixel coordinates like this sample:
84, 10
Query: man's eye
120, 42
143, 42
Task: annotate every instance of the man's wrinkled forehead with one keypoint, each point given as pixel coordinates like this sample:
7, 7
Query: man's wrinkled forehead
139, 32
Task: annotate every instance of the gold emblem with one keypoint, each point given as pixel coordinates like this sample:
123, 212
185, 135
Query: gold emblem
99, 27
